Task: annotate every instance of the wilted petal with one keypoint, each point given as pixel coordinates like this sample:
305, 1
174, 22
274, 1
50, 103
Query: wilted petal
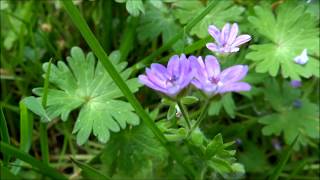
225, 33
235, 87
233, 74
214, 32
144, 80
212, 66
233, 33
241, 40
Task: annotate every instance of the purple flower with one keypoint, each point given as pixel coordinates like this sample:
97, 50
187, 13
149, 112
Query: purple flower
170, 80
208, 78
302, 58
226, 40
295, 83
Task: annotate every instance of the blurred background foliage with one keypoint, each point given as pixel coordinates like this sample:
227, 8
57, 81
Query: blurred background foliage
262, 122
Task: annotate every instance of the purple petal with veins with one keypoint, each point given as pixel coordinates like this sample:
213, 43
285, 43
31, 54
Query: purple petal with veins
226, 41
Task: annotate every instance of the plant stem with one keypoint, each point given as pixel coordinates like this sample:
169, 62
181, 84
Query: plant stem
185, 114
200, 117
94, 44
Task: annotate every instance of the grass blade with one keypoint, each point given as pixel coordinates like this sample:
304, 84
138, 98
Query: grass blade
93, 43
26, 127
44, 168
90, 172
6, 174
4, 133
43, 126
174, 39
284, 158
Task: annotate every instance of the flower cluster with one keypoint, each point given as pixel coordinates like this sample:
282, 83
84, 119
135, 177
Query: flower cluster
206, 74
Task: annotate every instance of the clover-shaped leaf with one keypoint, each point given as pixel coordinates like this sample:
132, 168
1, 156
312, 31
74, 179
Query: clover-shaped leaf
289, 32
85, 84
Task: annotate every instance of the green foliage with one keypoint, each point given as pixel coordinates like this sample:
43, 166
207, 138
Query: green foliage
134, 7
87, 86
223, 12
219, 158
90, 172
290, 31
132, 152
290, 119
227, 102
158, 21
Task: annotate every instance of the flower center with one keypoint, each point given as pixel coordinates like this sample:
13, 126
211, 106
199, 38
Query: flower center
216, 81
172, 80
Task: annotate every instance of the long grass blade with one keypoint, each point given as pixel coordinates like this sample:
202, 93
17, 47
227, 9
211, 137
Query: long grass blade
26, 127
43, 126
89, 171
93, 43
4, 135
284, 158
44, 168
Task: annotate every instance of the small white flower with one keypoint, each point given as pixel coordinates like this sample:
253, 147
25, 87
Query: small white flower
302, 58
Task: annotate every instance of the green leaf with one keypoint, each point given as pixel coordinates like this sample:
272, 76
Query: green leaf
189, 100
289, 31
158, 21
86, 85
226, 102
223, 11
34, 105
89, 172
171, 112
134, 7
220, 159
131, 150
220, 165
293, 121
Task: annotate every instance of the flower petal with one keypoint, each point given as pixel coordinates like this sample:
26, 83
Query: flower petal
160, 70
233, 33
241, 40
155, 78
212, 47
233, 74
235, 87
199, 69
214, 32
225, 33
143, 79
173, 65
212, 66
